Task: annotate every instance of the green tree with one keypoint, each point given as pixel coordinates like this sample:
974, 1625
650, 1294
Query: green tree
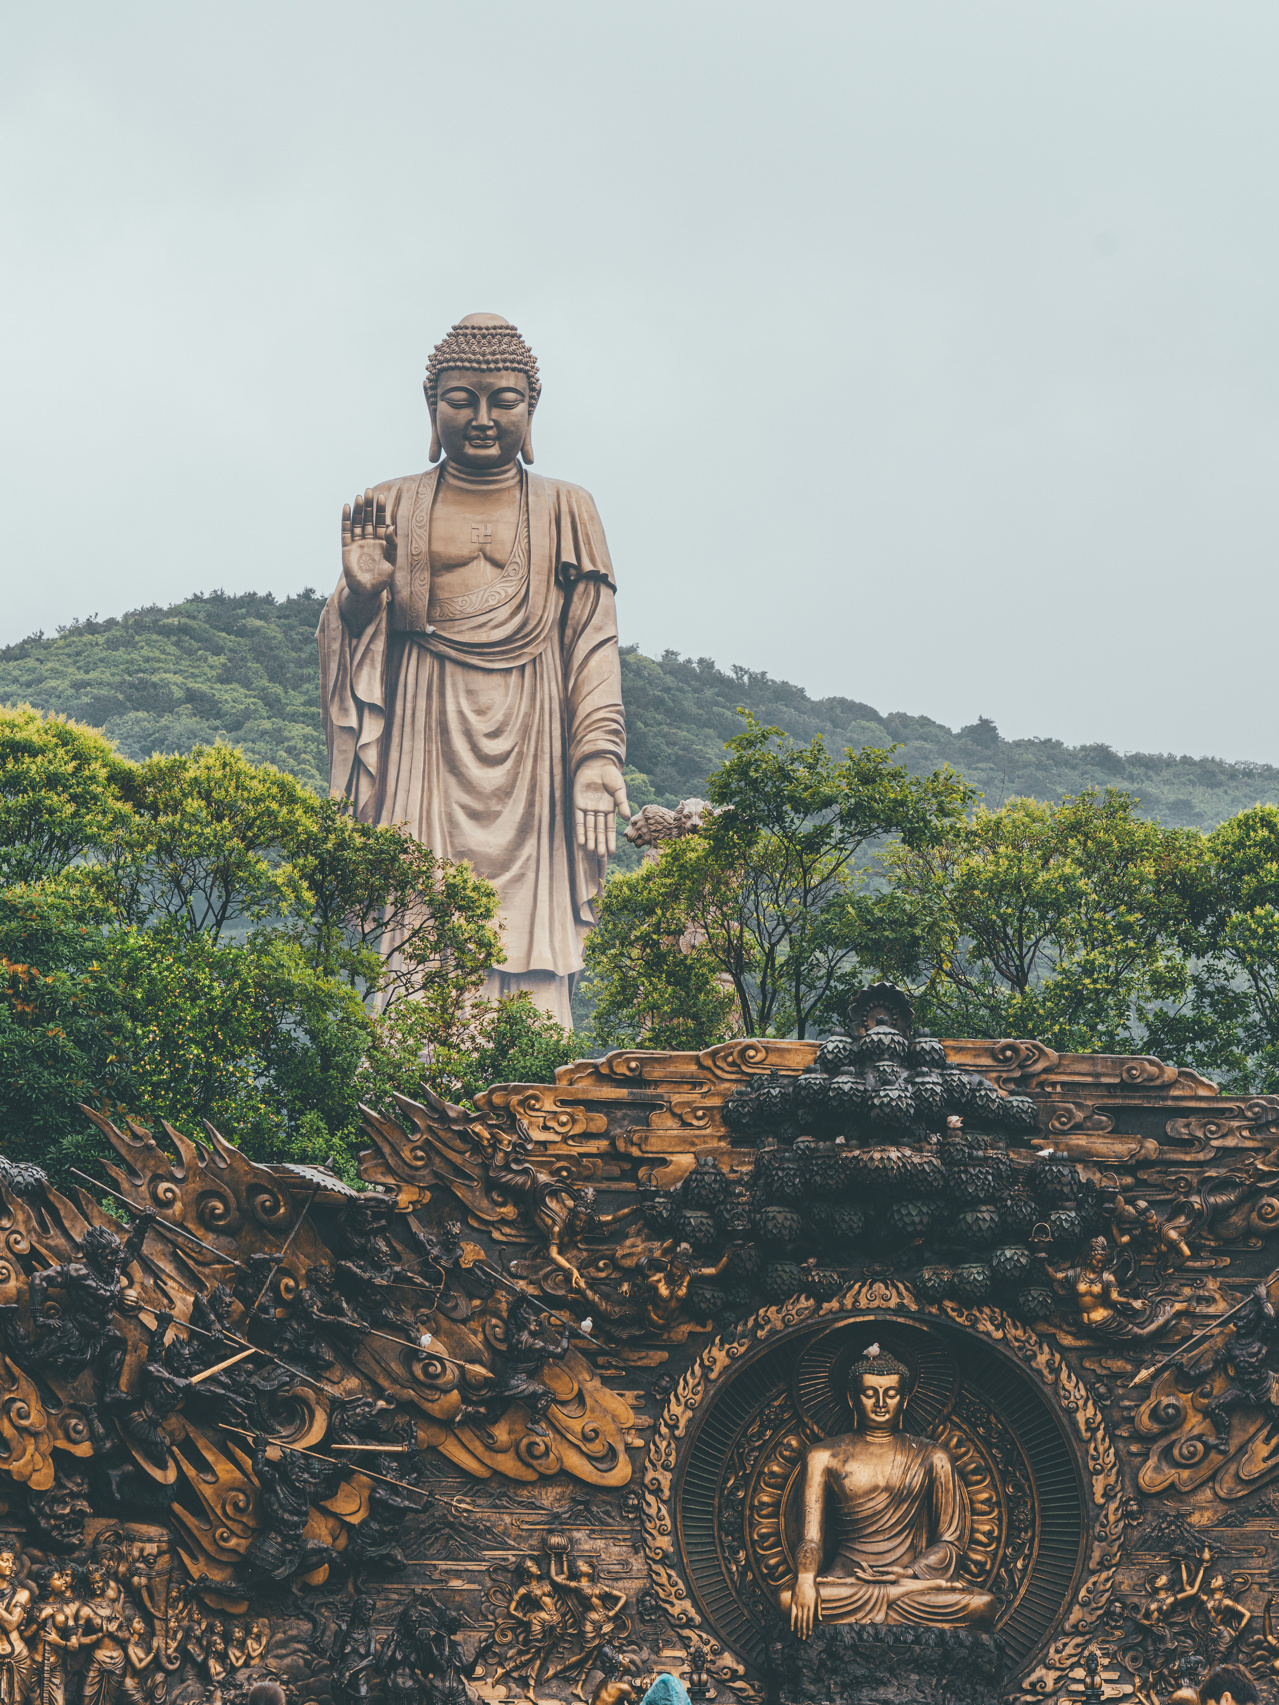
655, 980
59, 794
1227, 1022
370, 888
205, 845
197, 937
1063, 922
65, 1034
504, 1041
763, 901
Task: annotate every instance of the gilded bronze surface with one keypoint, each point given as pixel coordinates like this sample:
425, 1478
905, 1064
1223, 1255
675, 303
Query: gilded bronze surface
561, 1400
894, 1509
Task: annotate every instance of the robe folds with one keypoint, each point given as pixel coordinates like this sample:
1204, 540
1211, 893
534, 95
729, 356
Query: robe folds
919, 1508
466, 718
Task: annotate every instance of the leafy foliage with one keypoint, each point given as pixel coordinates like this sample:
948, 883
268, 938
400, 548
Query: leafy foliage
763, 897
243, 669
198, 937
58, 794
165, 896
653, 978
1227, 1022
505, 1041
1059, 922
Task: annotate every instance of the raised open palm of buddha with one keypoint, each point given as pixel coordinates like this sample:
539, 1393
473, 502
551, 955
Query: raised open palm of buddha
368, 547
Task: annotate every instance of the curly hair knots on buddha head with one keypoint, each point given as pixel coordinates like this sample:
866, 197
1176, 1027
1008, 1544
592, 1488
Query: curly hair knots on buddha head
483, 343
875, 1360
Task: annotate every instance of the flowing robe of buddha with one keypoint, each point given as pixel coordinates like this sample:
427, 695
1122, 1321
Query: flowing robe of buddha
900, 1509
466, 718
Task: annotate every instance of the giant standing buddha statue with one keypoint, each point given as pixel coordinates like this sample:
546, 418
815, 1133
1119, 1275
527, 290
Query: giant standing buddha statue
469, 663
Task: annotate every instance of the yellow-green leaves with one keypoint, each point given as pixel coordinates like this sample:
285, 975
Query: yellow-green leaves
1061, 922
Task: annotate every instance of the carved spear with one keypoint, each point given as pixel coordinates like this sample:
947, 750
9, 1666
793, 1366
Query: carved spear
423, 1348
234, 1338
230, 1362
158, 1224
386, 1450
583, 1330
1205, 1332
368, 1473
283, 1252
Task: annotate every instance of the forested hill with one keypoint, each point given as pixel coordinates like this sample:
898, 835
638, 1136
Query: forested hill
244, 669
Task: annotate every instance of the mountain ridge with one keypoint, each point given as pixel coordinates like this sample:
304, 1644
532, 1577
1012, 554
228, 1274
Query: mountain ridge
243, 667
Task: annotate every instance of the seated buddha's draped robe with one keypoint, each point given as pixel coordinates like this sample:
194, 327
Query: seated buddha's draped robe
466, 718
917, 1505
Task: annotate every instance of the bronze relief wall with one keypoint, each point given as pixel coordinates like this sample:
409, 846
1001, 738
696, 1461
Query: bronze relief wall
622, 1373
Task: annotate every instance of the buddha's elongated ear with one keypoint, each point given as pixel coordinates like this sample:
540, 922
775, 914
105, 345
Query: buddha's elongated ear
526, 449
437, 449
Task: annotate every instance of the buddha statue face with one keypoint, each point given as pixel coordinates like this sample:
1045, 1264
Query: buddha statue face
481, 418
879, 1399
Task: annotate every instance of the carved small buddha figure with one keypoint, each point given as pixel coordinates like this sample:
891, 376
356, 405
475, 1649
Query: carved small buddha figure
897, 1512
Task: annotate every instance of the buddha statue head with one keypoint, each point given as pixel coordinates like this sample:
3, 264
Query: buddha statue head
878, 1388
481, 387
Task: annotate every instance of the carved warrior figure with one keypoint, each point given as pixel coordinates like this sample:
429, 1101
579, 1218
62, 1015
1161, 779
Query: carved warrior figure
1252, 1382
281, 1550
90, 1290
668, 1278
902, 1519
531, 1341
420, 1660
469, 664
1136, 1226
353, 1653
141, 1415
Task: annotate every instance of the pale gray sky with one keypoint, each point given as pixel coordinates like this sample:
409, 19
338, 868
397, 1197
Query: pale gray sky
921, 351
